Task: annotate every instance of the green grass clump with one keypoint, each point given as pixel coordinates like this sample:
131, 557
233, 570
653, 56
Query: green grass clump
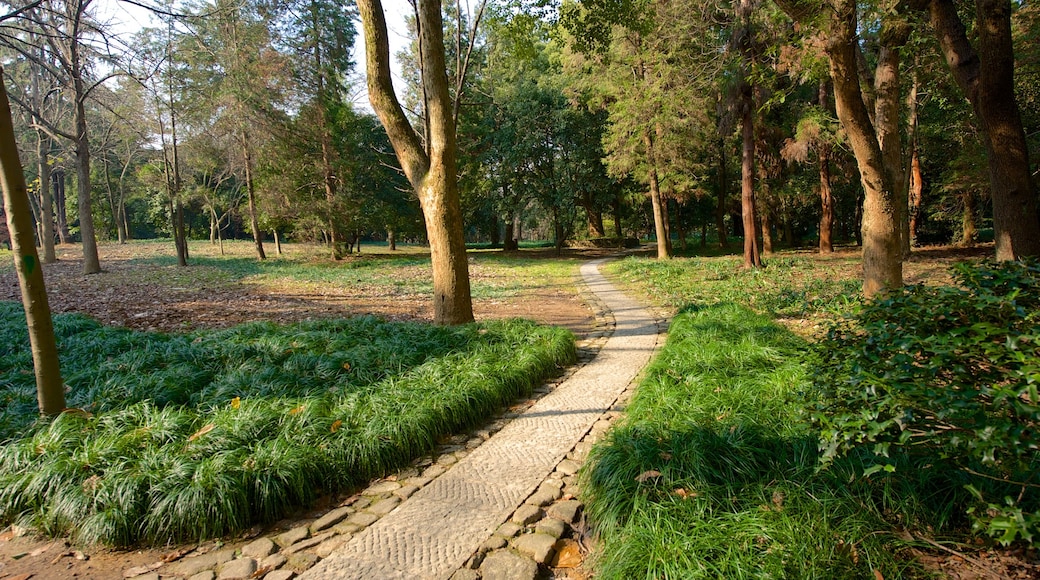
193, 436
713, 472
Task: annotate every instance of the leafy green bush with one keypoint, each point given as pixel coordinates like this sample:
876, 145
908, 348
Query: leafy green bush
184, 437
947, 378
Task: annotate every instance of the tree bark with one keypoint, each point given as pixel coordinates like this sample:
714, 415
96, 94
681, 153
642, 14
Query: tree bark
655, 198
46, 226
91, 263
61, 215
969, 233
254, 221
882, 260
987, 79
723, 186
50, 390
433, 175
767, 231
915, 194
894, 33
752, 257
826, 202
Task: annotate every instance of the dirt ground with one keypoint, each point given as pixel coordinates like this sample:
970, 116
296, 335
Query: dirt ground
140, 296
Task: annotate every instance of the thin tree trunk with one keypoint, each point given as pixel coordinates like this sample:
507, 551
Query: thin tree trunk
277, 241
391, 239
767, 230
916, 193
254, 221
655, 199
91, 263
826, 202
50, 390
723, 186
61, 217
618, 231
894, 33
46, 226
969, 232
752, 257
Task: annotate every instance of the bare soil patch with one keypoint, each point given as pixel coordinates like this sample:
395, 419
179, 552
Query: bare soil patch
150, 297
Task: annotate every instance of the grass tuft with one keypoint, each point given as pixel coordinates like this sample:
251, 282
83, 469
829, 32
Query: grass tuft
201, 435
713, 472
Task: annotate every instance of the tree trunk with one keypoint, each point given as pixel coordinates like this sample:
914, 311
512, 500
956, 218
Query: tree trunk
61, 216
595, 220
826, 202
969, 233
46, 225
655, 199
618, 231
510, 244
50, 390
987, 80
667, 222
433, 175
91, 263
679, 226
882, 260
916, 192
254, 221
894, 33
277, 241
752, 257
767, 230
723, 185
391, 239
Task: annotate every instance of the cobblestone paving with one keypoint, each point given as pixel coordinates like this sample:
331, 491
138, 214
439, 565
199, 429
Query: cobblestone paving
433, 533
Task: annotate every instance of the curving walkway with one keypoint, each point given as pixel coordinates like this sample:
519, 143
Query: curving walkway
433, 533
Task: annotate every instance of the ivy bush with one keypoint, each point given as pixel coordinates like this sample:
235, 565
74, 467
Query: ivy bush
944, 378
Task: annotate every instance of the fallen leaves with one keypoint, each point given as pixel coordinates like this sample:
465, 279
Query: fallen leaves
647, 475
201, 432
568, 554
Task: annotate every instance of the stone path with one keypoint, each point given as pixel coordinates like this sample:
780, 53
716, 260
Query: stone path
434, 532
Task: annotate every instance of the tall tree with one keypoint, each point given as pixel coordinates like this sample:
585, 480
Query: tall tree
50, 390
432, 171
320, 34
838, 24
985, 74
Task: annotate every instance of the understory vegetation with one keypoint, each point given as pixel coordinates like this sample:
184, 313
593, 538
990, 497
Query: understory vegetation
750, 452
190, 436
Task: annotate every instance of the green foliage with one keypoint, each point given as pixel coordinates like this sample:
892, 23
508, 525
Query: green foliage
947, 377
713, 472
183, 437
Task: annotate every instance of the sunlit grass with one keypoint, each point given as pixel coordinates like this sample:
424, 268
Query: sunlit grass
493, 274
790, 286
190, 436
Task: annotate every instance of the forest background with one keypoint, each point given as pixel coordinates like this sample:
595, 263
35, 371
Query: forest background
239, 119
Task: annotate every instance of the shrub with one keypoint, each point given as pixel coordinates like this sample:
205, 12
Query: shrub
947, 379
